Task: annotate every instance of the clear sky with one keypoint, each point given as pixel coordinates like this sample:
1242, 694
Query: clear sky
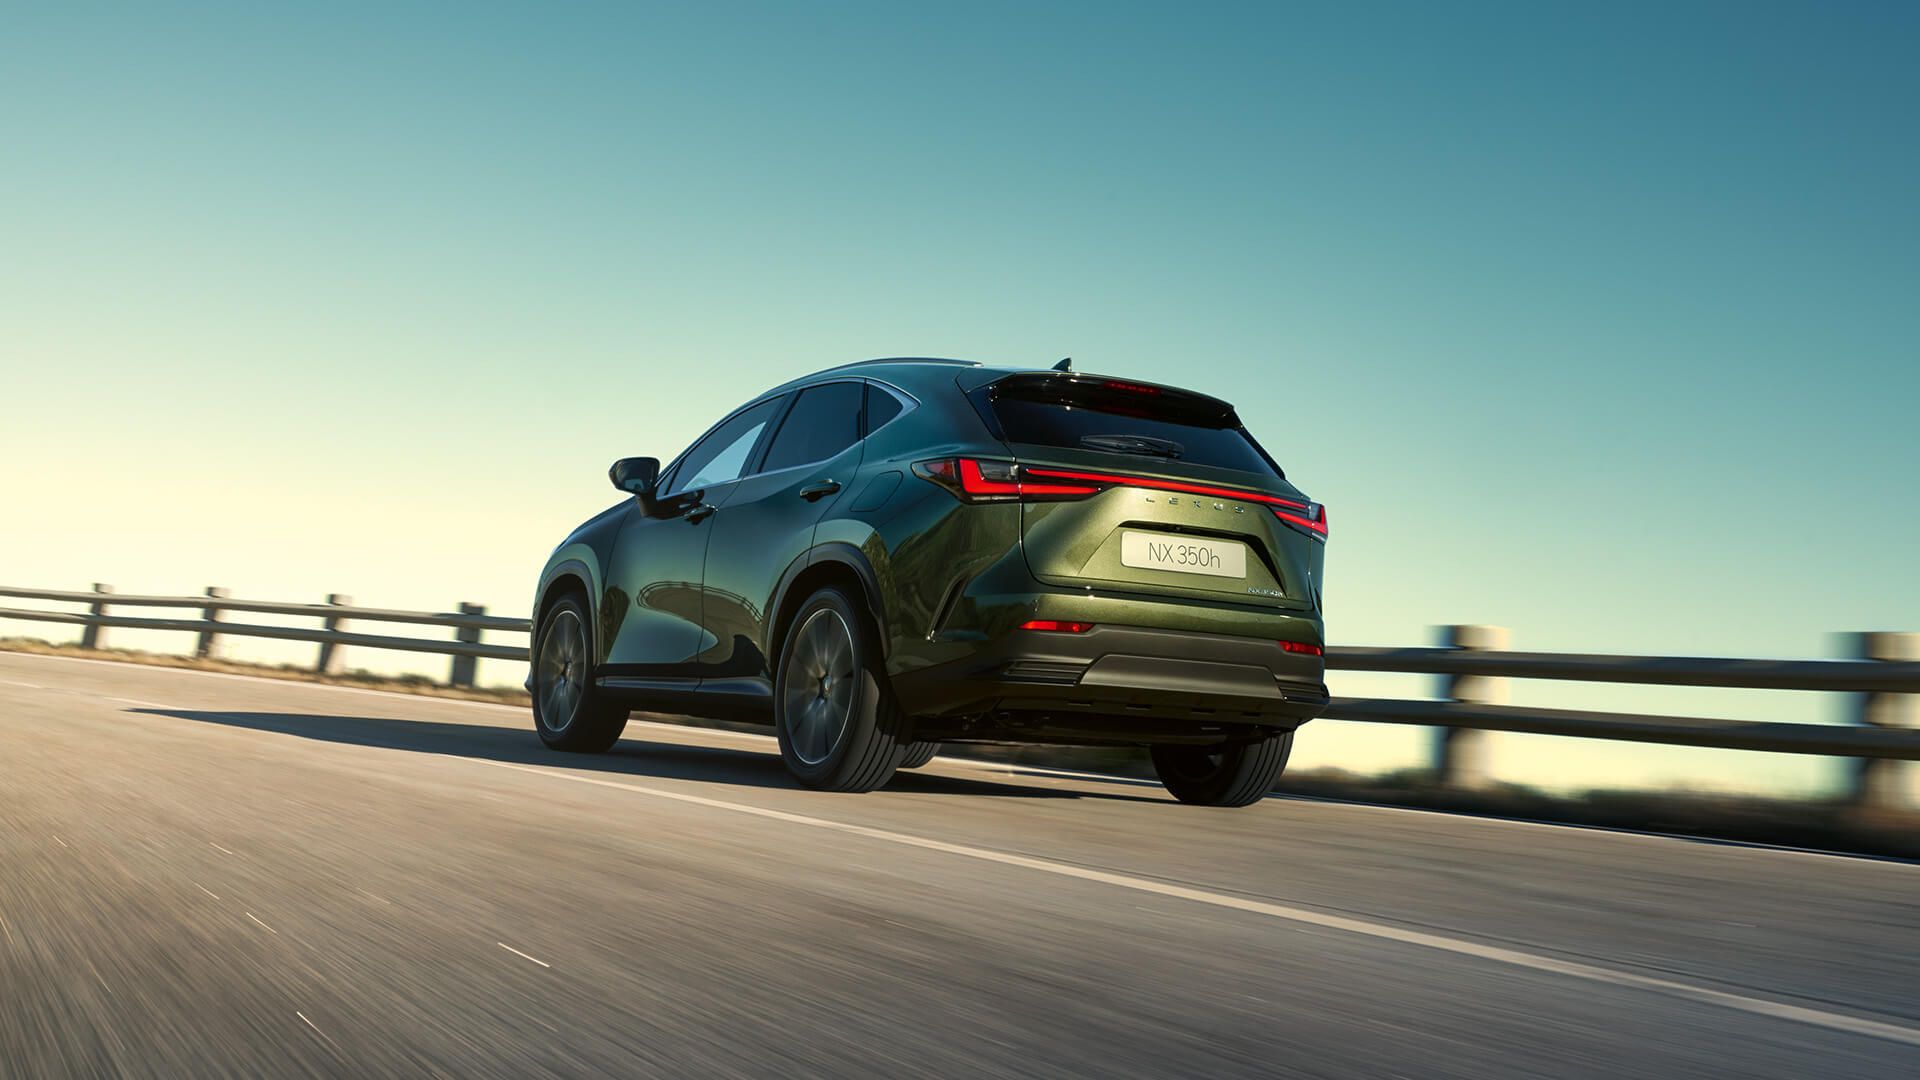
1600, 325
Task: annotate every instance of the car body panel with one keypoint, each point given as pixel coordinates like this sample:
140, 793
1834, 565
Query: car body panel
693, 610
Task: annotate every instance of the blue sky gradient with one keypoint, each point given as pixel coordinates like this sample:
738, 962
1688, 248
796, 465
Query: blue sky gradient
1596, 324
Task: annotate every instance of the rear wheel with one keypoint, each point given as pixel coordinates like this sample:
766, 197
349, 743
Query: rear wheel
833, 709
569, 712
918, 754
1232, 774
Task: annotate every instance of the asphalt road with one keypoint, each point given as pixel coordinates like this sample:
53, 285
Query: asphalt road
213, 875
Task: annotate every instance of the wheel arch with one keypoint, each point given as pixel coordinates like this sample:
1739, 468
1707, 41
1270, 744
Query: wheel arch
832, 563
571, 576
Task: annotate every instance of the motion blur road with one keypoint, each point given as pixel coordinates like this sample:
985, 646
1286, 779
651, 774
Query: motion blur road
207, 874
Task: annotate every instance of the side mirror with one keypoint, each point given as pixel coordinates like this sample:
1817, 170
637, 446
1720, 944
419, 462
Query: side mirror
635, 475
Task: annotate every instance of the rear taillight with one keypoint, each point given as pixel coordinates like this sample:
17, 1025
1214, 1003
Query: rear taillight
1311, 519
986, 480
1055, 626
1301, 648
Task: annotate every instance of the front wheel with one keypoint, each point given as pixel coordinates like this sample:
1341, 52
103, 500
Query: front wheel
1231, 774
838, 727
569, 712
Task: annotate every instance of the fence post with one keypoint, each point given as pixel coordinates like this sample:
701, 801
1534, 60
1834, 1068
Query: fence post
1460, 756
329, 661
464, 666
210, 637
90, 636
1882, 783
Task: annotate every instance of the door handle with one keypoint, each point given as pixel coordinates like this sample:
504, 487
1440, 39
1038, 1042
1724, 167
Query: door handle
699, 513
815, 492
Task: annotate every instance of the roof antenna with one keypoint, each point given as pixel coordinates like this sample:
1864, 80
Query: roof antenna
1065, 364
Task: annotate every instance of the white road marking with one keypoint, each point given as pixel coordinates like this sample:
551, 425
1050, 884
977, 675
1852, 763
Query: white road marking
206, 890
311, 1024
217, 847
28, 685
1464, 819
263, 926
57, 840
137, 703
1382, 931
521, 955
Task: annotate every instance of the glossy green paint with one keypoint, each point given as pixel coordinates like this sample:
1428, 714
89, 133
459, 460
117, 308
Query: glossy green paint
703, 601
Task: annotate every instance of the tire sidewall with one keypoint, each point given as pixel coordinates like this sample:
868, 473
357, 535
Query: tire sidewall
866, 704
1243, 777
548, 733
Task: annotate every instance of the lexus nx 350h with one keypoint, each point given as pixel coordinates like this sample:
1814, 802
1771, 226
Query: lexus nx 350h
891, 555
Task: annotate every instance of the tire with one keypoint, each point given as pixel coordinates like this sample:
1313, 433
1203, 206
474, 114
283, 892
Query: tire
834, 712
569, 712
1234, 774
918, 754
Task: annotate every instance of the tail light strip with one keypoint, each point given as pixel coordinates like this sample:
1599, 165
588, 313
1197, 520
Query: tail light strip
977, 480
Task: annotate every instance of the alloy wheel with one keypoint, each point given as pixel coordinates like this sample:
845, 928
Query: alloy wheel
560, 677
818, 686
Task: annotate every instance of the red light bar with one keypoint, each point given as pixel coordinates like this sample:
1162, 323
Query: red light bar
1162, 485
975, 482
1302, 648
1315, 523
1130, 388
1056, 626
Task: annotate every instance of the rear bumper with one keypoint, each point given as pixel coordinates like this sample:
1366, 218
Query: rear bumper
1115, 684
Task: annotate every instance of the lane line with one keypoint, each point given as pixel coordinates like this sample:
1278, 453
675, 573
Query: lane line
316, 1028
1458, 817
28, 685
136, 702
217, 847
1777, 1010
57, 840
522, 955
263, 926
206, 890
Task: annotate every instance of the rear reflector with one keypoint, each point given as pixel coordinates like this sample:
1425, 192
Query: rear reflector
1302, 648
1056, 626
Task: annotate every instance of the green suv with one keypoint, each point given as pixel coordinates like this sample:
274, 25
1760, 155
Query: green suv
887, 556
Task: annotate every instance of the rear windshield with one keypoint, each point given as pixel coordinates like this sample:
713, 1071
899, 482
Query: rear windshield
1125, 420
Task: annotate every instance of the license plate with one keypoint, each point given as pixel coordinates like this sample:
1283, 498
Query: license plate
1183, 554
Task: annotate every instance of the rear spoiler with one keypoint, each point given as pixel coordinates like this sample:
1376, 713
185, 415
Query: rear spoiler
1096, 391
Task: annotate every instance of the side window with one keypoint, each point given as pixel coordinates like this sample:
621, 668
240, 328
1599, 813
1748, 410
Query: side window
881, 407
722, 455
824, 421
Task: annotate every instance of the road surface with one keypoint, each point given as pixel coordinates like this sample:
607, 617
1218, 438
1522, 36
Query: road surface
216, 875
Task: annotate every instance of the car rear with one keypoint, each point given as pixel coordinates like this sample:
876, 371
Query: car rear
1173, 573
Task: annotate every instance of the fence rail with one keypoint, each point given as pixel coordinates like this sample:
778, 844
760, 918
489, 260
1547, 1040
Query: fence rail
1474, 666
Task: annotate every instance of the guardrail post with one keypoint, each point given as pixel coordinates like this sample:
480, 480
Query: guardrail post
329, 661
1460, 755
464, 666
91, 635
1881, 783
210, 637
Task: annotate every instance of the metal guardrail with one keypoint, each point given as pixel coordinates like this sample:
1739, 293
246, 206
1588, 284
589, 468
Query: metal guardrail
468, 623
1474, 668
